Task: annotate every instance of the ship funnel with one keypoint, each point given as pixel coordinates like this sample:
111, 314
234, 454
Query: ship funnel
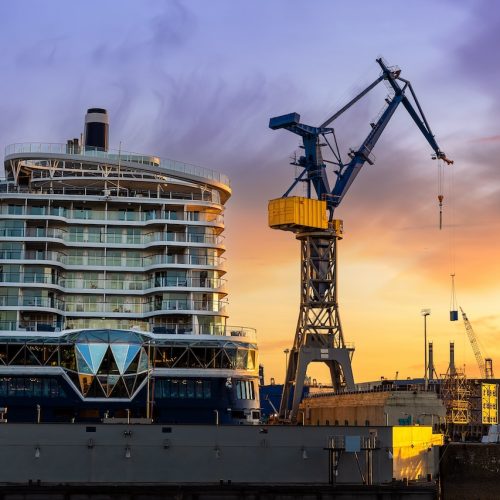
451, 369
96, 129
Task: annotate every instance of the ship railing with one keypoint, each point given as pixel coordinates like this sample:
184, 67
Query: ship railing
111, 261
137, 307
111, 238
187, 305
46, 302
115, 156
182, 238
195, 260
117, 284
113, 215
236, 332
28, 277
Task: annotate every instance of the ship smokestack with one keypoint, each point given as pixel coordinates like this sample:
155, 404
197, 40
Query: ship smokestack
96, 129
432, 371
451, 369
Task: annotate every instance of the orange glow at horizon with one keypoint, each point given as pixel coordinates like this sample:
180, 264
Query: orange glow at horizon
389, 270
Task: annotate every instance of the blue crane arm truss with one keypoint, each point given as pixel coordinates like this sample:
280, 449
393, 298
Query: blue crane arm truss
314, 168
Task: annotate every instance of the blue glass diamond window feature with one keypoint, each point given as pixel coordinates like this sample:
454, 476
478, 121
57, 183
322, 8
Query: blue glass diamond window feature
81, 361
83, 358
124, 354
97, 352
143, 362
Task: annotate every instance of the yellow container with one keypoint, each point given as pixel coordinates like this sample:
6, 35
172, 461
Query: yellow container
296, 213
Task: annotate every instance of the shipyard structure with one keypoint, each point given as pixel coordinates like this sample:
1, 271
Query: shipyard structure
112, 290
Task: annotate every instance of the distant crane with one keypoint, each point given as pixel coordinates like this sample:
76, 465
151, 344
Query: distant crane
485, 365
319, 336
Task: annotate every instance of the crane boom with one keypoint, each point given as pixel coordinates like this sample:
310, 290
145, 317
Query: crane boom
475, 345
312, 162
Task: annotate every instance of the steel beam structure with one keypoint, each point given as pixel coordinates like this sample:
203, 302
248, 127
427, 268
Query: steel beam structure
318, 337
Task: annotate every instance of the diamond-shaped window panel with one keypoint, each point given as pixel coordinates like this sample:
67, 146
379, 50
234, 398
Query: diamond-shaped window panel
97, 352
83, 365
108, 382
132, 352
124, 354
129, 383
143, 362
85, 383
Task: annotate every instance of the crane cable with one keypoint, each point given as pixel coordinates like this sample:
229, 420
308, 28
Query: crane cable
440, 192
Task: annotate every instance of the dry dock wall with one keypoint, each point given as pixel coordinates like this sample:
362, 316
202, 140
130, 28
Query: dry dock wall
116, 453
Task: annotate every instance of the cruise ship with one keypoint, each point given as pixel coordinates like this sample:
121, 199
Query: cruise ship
112, 290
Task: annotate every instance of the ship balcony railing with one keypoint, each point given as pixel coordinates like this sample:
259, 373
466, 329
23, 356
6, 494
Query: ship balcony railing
195, 260
7, 232
113, 307
45, 279
47, 302
237, 332
113, 215
116, 284
104, 307
111, 261
187, 305
9, 325
11, 254
213, 283
116, 156
113, 284
210, 196
41, 255
121, 239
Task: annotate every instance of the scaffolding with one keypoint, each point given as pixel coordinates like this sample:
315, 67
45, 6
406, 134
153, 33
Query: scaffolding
455, 392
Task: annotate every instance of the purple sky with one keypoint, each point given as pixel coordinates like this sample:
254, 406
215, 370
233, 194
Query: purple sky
198, 80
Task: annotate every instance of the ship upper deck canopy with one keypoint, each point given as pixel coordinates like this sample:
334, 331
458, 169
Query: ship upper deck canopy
35, 154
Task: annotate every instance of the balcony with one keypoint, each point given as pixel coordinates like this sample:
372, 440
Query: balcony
112, 215
112, 261
96, 306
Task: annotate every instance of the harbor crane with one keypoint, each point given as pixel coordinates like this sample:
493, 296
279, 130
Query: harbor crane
319, 336
485, 365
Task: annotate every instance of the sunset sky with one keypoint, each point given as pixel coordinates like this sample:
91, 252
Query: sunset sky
198, 80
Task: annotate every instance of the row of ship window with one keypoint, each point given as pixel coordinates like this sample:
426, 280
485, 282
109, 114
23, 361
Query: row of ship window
33, 387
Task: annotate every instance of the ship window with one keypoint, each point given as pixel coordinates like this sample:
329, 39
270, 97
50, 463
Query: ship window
30, 387
182, 388
207, 389
185, 389
245, 389
190, 389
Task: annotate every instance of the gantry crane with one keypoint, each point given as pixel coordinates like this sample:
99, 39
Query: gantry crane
318, 336
485, 365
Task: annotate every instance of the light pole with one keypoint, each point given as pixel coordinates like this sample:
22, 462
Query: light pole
425, 313
286, 351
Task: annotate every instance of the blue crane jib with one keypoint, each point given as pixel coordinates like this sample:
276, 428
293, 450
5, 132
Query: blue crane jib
314, 138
